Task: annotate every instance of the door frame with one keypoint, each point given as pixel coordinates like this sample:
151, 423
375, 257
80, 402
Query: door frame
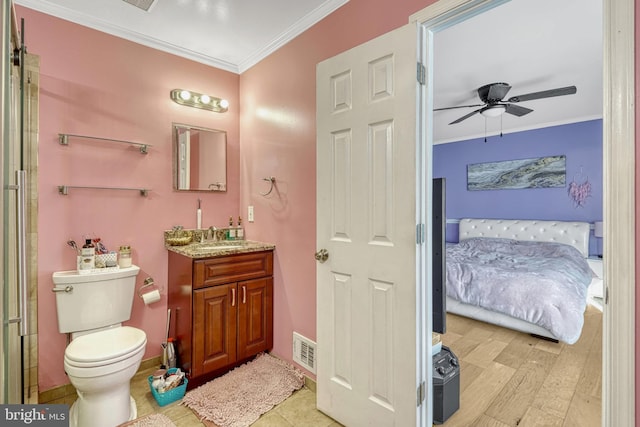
619, 167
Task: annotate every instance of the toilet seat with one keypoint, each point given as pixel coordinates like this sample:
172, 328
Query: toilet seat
104, 347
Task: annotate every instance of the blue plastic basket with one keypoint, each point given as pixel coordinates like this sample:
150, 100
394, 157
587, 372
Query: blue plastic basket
168, 396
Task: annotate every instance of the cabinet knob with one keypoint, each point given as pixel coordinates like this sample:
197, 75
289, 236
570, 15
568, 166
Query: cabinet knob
322, 255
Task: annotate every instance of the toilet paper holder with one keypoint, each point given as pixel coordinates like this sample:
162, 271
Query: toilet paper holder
148, 283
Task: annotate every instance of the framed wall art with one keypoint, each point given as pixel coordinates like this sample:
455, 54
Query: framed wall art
541, 172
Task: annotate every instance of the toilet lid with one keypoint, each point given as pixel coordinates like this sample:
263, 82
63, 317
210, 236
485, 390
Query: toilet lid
107, 345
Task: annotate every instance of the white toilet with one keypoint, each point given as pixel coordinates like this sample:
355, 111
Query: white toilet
103, 355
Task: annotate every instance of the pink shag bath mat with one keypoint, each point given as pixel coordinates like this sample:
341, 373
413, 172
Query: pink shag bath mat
238, 398
153, 420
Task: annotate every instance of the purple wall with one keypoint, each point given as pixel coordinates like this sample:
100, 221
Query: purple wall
581, 143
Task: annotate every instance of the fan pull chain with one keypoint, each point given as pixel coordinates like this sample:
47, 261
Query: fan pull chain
485, 130
502, 115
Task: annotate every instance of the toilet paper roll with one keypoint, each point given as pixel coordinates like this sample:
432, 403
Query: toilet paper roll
151, 297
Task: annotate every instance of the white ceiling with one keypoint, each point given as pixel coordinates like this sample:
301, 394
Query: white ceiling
232, 35
531, 45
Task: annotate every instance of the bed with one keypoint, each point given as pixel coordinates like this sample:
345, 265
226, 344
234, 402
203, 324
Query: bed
527, 275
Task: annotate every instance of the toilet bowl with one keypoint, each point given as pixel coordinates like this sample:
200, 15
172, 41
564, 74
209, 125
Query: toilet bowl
103, 355
100, 366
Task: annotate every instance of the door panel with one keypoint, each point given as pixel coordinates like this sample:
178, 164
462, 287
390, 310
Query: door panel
367, 215
214, 329
255, 317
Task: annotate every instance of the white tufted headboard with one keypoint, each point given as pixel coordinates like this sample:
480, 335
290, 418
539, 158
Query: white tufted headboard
571, 233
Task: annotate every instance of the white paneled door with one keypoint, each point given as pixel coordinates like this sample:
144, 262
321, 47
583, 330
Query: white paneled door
367, 201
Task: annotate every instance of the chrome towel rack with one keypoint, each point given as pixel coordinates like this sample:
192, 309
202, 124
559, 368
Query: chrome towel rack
64, 140
272, 180
64, 189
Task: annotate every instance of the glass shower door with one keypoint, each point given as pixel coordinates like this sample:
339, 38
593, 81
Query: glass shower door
14, 294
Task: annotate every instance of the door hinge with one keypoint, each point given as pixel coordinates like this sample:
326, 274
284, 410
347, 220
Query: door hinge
421, 73
421, 393
420, 234
606, 295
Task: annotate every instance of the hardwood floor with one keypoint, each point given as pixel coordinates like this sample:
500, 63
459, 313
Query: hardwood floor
508, 378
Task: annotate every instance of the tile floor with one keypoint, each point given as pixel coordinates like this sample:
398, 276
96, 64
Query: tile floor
298, 410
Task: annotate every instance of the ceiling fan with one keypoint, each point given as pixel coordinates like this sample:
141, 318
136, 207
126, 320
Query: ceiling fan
493, 105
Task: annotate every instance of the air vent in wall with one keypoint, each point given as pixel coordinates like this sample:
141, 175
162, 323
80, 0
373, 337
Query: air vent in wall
142, 4
304, 352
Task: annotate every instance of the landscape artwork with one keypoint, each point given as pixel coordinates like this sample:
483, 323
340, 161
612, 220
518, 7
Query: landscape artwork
541, 172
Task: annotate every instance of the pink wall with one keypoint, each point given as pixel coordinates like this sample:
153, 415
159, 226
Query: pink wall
99, 85
278, 138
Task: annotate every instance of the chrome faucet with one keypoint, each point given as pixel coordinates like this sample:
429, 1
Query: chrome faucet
212, 233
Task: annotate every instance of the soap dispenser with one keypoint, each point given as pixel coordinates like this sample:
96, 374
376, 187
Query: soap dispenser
231, 232
239, 230
88, 257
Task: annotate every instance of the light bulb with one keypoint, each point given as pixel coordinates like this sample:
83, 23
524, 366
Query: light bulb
199, 100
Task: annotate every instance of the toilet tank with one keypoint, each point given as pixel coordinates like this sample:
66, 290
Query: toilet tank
94, 300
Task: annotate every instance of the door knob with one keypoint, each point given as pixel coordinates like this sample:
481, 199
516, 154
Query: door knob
322, 255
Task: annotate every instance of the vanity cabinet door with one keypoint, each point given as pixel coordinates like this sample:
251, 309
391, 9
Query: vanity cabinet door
214, 328
255, 316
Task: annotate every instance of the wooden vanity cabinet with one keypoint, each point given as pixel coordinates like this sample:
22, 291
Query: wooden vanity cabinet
230, 311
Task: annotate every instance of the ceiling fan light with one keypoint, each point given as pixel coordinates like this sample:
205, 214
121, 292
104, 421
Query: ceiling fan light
493, 111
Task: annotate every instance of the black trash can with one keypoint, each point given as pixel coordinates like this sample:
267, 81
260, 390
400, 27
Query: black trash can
446, 385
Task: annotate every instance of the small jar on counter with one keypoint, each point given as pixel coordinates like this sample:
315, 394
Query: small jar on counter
124, 256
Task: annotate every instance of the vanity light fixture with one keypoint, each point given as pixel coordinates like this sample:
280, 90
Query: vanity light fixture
199, 100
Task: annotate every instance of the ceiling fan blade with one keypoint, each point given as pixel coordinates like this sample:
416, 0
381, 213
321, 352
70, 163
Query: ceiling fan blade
493, 92
517, 110
569, 90
466, 116
497, 92
459, 106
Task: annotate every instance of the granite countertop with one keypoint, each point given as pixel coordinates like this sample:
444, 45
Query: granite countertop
220, 248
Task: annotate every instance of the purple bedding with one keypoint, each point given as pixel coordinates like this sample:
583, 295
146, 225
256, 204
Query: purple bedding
541, 283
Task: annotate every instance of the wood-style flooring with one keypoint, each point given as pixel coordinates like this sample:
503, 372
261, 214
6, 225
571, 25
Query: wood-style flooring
508, 378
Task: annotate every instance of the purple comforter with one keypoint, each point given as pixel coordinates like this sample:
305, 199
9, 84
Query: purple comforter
541, 283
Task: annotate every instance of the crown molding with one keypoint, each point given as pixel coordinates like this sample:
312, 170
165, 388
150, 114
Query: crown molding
292, 32
515, 129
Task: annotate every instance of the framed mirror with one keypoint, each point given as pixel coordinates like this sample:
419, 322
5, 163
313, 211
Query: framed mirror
199, 158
